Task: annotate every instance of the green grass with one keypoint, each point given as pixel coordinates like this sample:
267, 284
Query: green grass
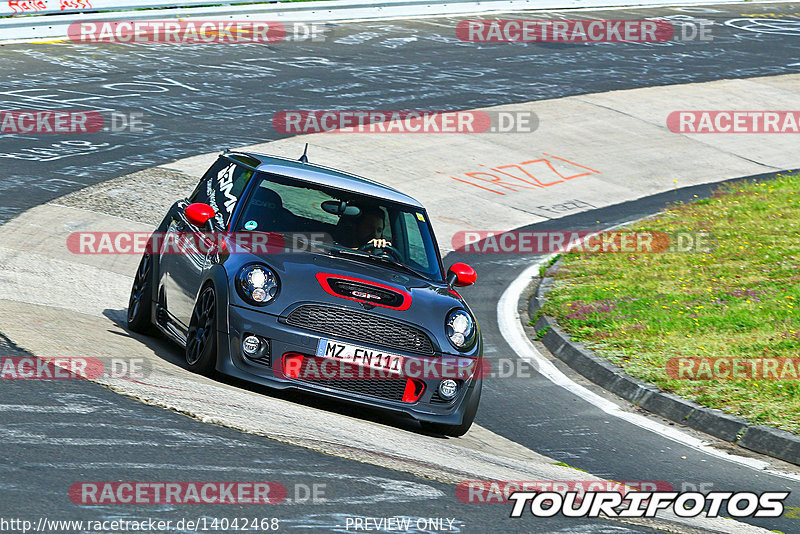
740, 299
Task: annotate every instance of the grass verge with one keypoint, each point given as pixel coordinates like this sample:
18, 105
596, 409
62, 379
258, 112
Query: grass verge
738, 300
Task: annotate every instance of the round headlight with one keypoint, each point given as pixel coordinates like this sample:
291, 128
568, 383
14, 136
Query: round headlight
460, 329
257, 284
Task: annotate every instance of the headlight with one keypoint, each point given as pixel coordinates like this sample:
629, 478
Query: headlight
257, 284
460, 329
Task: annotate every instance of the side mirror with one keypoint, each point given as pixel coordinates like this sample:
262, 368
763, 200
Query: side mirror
199, 214
461, 275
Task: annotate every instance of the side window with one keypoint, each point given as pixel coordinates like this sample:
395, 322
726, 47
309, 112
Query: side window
416, 245
387, 229
221, 188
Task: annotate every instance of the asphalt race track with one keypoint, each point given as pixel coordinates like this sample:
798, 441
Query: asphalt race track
200, 98
59, 432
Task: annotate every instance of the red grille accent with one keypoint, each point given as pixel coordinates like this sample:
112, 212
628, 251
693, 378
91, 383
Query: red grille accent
397, 298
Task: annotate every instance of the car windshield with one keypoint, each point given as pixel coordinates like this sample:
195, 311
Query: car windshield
343, 223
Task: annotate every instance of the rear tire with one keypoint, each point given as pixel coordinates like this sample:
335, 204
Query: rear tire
201, 339
457, 431
140, 303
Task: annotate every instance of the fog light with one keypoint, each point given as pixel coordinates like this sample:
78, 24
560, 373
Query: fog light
250, 345
448, 388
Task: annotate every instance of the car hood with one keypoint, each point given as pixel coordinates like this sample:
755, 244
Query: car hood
300, 274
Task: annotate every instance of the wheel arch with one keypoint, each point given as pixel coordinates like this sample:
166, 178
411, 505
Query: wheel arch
217, 278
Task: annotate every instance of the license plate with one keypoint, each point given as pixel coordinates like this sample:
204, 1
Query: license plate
353, 354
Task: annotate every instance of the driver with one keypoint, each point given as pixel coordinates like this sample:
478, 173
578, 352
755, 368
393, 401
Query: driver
367, 229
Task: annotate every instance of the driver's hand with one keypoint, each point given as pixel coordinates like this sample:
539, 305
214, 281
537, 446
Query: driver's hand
379, 243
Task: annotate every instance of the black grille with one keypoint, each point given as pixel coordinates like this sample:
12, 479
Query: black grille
359, 326
383, 388
366, 292
264, 360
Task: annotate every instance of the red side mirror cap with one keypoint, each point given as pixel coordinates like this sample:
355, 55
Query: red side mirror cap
199, 214
461, 275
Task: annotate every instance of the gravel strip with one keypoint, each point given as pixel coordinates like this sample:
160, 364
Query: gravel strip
143, 196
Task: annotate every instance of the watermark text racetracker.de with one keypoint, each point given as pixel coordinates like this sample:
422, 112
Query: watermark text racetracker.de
732, 122
730, 368
580, 31
73, 368
185, 243
566, 241
405, 121
181, 493
378, 365
193, 31
70, 122
499, 491
244, 523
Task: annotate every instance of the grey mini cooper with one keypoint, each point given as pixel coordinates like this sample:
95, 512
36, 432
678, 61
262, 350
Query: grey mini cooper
294, 275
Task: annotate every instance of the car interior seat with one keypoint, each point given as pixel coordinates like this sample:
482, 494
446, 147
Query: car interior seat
266, 209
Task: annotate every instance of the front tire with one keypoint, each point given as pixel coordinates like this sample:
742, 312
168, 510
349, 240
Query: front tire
140, 303
201, 339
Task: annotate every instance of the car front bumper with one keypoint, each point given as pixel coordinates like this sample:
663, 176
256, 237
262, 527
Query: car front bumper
285, 339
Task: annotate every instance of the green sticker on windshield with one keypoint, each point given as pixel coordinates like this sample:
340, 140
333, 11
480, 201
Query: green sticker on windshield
421, 217
250, 225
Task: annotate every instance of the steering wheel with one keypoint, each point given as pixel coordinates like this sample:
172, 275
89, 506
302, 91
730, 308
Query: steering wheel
387, 250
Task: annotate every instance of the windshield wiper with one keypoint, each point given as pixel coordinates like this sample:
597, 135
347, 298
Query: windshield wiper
366, 255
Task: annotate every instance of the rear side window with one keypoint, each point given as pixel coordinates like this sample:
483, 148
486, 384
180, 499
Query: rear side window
221, 188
